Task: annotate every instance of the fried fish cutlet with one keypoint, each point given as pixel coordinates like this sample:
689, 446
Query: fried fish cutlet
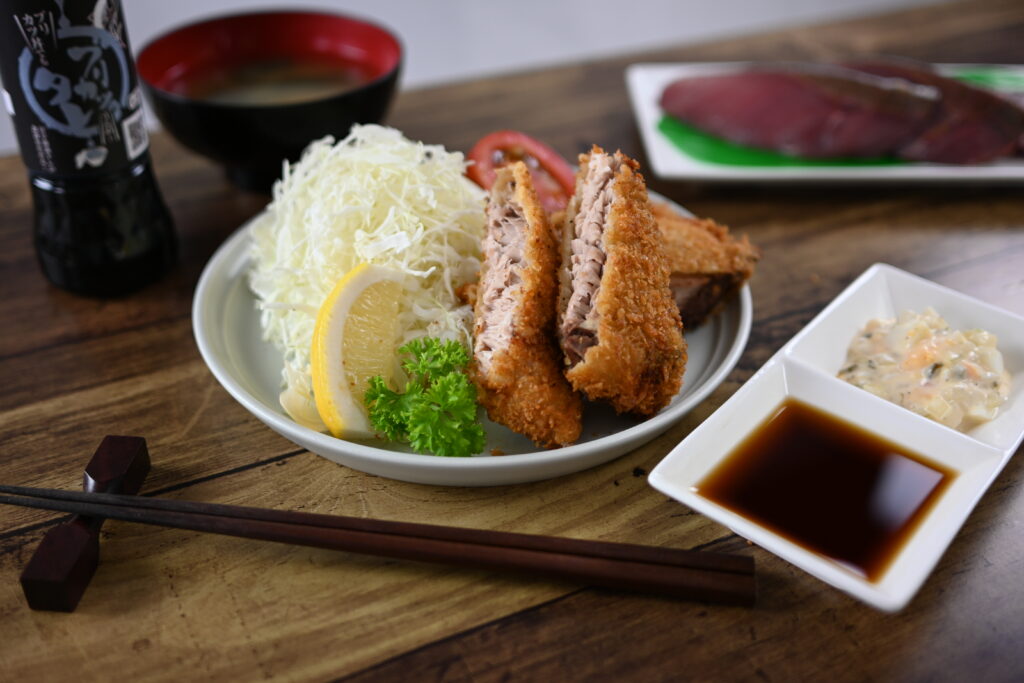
618, 325
707, 264
517, 364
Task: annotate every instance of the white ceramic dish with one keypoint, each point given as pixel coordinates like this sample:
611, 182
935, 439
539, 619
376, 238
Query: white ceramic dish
647, 81
226, 327
805, 369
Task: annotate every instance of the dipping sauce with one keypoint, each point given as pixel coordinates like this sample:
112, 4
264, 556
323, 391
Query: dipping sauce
828, 486
918, 361
276, 82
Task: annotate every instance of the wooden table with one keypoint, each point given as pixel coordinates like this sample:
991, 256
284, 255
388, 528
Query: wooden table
169, 604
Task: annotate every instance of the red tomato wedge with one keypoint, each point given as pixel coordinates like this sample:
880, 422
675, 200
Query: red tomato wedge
553, 178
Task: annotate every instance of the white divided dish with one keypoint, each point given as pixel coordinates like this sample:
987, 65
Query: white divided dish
805, 369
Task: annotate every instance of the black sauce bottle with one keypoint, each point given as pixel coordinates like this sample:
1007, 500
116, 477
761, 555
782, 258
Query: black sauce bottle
101, 227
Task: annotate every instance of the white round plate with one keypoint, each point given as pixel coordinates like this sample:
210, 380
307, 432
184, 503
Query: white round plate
227, 330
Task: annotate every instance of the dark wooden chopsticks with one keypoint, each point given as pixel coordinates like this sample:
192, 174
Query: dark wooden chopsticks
697, 575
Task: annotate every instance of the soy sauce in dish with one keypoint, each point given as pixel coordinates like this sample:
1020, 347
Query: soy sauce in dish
828, 486
275, 82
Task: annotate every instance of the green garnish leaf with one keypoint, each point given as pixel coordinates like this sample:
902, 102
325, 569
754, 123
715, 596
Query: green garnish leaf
434, 358
437, 411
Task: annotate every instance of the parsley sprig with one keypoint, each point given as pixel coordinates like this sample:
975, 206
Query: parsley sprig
437, 412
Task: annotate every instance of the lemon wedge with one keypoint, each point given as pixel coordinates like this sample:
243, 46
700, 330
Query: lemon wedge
354, 340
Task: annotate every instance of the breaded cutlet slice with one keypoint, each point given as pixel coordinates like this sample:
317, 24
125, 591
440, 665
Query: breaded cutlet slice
618, 324
517, 364
707, 264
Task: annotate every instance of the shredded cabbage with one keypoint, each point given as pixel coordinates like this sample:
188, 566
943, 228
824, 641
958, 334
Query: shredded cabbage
373, 197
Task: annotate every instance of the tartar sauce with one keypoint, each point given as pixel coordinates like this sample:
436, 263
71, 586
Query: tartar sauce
954, 377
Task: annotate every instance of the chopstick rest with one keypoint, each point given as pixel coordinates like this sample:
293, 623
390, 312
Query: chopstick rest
65, 560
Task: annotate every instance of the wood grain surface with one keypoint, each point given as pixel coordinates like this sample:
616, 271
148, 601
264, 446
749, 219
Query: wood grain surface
176, 605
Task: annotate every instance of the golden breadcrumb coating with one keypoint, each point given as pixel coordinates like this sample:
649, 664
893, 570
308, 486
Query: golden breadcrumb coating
639, 357
707, 264
523, 386
700, 246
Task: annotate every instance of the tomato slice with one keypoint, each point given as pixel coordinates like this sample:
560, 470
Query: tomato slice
553, 178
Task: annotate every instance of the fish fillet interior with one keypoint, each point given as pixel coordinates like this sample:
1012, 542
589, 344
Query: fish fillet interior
503, 248
579, 324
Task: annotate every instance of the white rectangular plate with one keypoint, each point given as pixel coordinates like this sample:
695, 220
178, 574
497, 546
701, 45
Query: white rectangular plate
647, 81
805, 369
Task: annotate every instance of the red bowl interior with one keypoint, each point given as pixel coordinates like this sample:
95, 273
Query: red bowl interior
176, 60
